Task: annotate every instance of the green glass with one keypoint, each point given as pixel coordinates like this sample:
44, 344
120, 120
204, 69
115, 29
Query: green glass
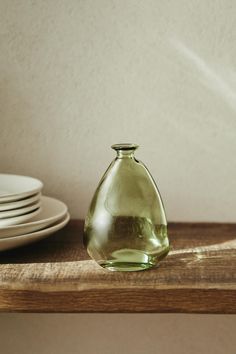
126, 228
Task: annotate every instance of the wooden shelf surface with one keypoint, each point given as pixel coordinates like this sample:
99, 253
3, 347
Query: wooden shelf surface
57, 275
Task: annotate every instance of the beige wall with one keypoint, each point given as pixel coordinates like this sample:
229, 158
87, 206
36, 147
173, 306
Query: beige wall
117, 334
77, 76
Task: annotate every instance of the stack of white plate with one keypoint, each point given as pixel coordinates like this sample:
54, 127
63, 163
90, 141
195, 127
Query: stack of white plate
25, 215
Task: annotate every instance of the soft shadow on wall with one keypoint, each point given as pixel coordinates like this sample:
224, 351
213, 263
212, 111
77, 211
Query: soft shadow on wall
27, 148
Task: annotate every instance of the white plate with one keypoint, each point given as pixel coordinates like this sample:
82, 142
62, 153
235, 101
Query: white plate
13, 187
52, 210
20, 203
13, 242
20, 211
18, 219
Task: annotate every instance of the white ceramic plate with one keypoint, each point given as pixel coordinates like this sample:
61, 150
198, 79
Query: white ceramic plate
18, 219
20, 203
13, 187
20, 211
52, 210
13, 242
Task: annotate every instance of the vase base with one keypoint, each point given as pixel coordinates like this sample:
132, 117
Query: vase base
126, 266
142, 261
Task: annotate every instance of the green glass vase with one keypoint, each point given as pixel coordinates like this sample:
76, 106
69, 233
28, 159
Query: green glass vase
126, 228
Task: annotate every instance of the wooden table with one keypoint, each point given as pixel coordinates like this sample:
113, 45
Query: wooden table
56, 275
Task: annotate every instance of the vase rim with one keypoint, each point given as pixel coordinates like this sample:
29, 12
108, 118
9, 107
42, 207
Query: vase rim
124, 146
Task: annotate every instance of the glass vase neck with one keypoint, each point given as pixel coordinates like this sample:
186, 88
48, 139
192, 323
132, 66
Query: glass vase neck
125, 150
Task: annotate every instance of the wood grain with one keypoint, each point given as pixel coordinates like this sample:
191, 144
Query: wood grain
56, 275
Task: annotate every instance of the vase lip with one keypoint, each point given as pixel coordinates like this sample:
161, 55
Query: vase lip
124, 146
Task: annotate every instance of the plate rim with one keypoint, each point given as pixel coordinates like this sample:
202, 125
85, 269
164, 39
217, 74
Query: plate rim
21, 195
39, 232
33, 198
52, 218
7, 214
37, 211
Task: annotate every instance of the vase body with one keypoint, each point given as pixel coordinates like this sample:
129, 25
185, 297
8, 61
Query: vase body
126, 228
